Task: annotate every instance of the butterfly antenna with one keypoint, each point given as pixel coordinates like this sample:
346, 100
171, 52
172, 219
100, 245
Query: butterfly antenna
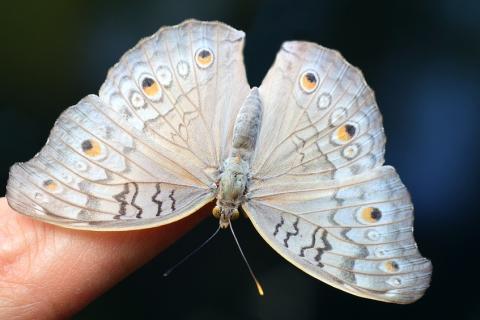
259, 287
166, 273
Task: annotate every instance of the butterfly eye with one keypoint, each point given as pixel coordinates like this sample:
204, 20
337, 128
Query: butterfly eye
370, 215
346, 132
309, 81
50, 185
235, 215
204, 57
150, 87
217, 212
91, 148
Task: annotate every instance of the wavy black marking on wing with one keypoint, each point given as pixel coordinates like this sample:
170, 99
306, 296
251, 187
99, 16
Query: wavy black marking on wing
348, 264
123, 203
173, 200
140, 210
277, 227
326, 247
289, 234
311, 245
158, 202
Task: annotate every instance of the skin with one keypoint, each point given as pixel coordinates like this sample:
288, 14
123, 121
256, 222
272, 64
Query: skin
49, 272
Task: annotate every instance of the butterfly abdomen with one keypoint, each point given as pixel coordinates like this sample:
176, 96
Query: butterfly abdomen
247, 126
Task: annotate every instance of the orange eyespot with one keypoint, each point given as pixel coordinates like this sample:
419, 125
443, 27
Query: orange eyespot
346, 132
371, 214
50, 185
91, 148
391, 266
204, 57
150, 87
309, 81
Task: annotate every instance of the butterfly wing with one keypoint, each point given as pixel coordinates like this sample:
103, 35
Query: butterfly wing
146, 150
319, 193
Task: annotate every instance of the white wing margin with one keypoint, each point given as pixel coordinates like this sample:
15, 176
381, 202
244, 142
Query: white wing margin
146, 151
319, 194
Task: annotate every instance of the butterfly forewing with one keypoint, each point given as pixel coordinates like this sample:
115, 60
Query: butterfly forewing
147, 150
183, 87
321, 119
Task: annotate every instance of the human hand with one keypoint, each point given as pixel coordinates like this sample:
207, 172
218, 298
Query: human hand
49, 272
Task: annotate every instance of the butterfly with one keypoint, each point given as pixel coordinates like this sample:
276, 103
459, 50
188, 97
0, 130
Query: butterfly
176, 125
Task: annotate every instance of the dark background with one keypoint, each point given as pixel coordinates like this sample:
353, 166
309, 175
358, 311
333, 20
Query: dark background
422, 60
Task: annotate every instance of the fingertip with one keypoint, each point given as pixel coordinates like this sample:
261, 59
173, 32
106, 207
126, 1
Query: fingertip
69, 268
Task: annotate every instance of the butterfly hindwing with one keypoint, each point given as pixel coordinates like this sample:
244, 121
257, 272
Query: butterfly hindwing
94, 174
354, 234
146, 151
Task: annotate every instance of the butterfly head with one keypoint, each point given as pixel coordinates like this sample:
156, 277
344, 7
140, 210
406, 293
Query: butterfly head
225, 215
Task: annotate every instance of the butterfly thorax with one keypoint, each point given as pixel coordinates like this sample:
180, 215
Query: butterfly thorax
234, 178
232, 187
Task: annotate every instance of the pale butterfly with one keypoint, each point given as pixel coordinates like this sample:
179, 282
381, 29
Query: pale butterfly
176, 125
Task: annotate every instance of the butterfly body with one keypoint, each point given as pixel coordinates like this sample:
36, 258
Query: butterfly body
231, 190
176, 125
235, 175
